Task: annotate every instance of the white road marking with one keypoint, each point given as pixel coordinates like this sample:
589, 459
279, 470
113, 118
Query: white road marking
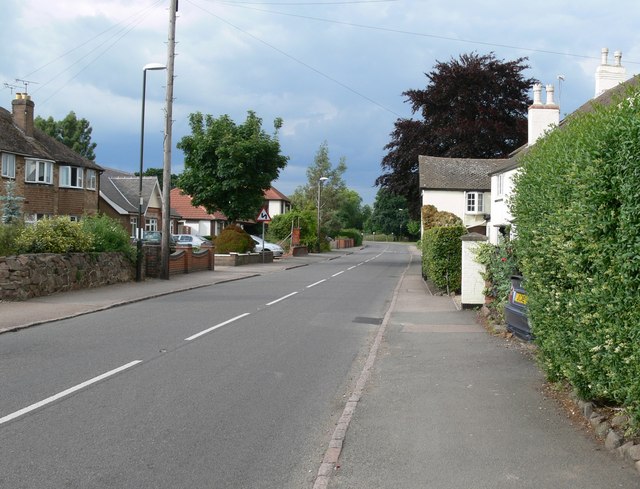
208, 330
316, 283
351, 268
281, 299
67, 392
336, 274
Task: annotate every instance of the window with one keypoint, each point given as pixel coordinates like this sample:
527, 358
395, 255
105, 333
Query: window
33, 218
151, 224
38, 171
475, 202
500, 185
71, 176
8, 165
134, 226
91, 179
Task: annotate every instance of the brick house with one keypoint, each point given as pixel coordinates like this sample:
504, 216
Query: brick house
119, 199
52, 179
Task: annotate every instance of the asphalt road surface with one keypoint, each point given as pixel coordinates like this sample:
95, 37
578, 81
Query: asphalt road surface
236, 385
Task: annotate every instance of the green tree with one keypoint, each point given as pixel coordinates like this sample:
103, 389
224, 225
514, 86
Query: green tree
159, 174
332, 190
11, 204
72, 132
229, 166
390, 214
472, 107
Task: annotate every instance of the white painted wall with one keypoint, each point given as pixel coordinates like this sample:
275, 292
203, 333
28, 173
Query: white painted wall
500, 214
454, 201
472, 281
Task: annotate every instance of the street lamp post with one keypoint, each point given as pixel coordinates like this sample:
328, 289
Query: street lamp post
322, 179
150, 66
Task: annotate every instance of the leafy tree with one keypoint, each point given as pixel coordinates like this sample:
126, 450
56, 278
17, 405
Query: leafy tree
390, 214
229, 166
159, 174
71, 131
472, 107
334, 191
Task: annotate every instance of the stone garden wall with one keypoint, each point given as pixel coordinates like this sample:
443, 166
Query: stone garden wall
34, 275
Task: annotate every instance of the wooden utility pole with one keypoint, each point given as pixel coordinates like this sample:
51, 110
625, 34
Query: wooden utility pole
168, 122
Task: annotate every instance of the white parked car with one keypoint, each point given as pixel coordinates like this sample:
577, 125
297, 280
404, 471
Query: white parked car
192, 239
272, 247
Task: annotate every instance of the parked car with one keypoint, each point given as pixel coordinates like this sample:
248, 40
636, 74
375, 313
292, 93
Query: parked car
272, 247
515, 311
193, 239
155, 238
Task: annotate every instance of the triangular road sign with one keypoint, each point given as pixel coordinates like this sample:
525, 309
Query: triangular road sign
263, 216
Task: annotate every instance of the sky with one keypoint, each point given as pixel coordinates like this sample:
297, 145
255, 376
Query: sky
334, 71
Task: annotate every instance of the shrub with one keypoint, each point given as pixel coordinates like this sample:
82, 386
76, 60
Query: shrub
108, 235
234, 239
432, 217
8, 235
281, 225
442, 256
55, 235
351, 233
500, 264
577, 209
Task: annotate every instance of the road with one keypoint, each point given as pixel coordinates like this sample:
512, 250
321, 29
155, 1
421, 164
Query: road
237, 385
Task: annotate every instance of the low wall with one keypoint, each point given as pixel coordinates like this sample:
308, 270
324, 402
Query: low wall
35, 275
238, 259
184, 260
342, 243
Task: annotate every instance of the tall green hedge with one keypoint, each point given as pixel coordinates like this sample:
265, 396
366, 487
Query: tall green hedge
577, 211
442, 256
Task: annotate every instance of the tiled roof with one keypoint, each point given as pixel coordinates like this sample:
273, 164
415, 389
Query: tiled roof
41, 145
274, 194
604, 98
609, 96
182, 204
437, 173
123, 188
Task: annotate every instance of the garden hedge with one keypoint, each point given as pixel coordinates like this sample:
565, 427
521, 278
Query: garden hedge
442, 256
577, 214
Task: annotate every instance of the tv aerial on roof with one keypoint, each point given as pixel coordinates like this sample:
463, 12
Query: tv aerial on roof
26, 84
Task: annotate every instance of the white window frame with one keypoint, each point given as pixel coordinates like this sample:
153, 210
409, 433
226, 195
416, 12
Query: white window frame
91, 179
500, 185
42, 169
133, 222
151, 224
8, 165
71, 177
474, 202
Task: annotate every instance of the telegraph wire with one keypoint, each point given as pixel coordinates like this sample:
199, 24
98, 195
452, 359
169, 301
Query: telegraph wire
299, 61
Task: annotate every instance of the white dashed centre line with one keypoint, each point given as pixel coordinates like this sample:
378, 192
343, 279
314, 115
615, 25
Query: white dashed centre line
281, 299
316, 283
336, 274
197, 335
67, 392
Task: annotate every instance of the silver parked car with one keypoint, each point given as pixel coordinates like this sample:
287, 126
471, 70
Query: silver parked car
192, 239
272, 247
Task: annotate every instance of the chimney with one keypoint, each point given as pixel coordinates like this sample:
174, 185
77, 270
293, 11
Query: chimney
542, 117
608, 76
22, 108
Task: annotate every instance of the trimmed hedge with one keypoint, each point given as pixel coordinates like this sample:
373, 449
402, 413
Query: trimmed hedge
351, 233
577, 210
442, 256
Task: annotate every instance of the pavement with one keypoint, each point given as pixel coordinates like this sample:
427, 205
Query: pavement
40, 310
440, 403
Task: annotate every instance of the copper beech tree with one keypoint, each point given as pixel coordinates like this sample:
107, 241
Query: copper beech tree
472, 107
